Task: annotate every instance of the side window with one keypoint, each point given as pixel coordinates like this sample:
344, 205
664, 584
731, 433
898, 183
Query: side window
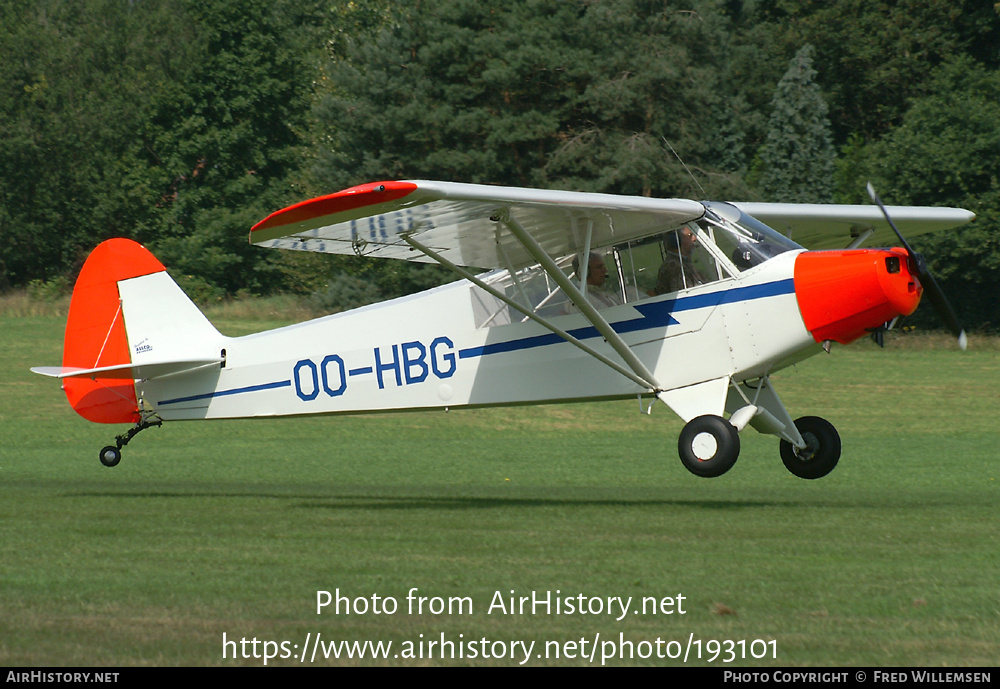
669, 262
637, 264
530, 287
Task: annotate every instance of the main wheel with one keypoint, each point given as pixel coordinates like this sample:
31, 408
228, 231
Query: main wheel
709, 446
822, 451
110, 456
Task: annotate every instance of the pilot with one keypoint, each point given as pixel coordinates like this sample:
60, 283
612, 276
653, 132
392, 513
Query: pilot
677, 271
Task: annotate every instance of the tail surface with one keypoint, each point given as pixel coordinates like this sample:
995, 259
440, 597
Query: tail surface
128, 320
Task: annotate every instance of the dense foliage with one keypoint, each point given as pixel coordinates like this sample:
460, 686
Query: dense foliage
173, 122
181, 123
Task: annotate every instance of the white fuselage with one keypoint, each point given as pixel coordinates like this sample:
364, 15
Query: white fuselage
424, 351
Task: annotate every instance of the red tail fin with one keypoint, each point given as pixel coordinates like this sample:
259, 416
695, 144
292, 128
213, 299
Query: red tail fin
95, 331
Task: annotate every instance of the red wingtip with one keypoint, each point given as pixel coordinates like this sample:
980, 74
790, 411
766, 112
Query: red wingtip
346, 200
95, 331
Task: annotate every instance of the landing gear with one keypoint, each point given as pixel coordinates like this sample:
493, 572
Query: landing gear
709, 446
821, 453
112, 454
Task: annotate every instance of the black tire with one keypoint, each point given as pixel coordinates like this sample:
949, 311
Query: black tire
822, 450
110, 456
709, 446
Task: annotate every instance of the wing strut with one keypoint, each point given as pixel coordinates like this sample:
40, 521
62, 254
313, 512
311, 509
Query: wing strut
430, 253
580, 301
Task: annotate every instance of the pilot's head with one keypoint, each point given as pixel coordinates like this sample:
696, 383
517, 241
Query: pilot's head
683, 239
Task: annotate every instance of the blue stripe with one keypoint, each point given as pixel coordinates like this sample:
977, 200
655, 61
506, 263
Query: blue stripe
226, 393
654, 315
514, 345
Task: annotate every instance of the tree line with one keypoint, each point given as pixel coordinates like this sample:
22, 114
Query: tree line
181, 123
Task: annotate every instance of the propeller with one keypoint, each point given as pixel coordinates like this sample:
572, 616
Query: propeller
930, 285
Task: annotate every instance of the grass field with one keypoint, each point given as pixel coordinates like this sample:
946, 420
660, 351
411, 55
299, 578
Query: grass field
231, 528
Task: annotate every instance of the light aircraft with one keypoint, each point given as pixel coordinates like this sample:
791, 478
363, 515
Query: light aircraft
750, 301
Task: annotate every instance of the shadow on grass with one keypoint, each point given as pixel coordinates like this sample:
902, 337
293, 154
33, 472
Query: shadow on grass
477, 503
575, 498
455, 498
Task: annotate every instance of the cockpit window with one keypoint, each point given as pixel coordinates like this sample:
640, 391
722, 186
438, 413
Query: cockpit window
669, 262
718, 246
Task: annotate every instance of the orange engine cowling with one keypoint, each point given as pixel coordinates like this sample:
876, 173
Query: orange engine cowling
842, 295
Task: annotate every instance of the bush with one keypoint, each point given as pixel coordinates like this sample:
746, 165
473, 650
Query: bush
345, 292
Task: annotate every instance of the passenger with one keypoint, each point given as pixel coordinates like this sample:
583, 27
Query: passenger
678, 271
597, 275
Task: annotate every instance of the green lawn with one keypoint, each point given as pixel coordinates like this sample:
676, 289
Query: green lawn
231, 528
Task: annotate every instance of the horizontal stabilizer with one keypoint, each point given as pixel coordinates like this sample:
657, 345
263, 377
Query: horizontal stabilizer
144, 371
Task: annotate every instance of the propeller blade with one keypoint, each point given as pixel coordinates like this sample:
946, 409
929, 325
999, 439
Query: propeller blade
930, 285
878, 202
943, 308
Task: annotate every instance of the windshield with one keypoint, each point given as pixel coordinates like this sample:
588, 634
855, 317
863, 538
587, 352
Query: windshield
743, 239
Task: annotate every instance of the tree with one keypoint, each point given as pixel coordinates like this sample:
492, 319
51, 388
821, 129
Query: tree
797, 158
539, 93
876, 54
652, 97
76, 84
945, 153
533, 93
228, 142
174, 122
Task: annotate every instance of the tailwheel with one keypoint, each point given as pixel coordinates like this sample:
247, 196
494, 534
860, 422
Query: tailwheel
821, 453
709, 446
110, 456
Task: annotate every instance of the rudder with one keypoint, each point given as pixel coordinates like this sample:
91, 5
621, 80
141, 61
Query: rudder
126, 311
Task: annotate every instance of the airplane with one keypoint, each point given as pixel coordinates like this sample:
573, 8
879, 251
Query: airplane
563, 296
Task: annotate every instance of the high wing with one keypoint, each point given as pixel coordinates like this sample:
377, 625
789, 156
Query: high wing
463, 222
835, 226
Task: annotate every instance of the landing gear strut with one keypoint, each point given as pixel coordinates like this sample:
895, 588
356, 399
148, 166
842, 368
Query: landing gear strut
112, 454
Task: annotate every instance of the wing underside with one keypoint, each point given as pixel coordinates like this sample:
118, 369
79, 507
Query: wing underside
464, 222
836, 226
